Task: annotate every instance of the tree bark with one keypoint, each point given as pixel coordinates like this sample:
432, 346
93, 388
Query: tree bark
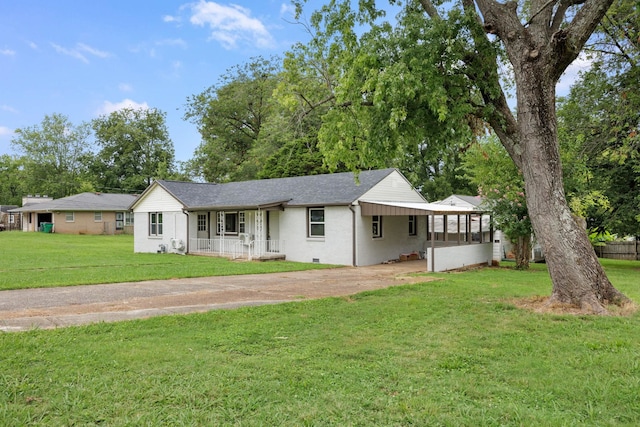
577, 276
539, 53
523, 249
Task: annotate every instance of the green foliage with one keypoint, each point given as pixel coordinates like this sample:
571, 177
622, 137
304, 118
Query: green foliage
135, 149
396, 99
600, 137
454, 351
52, 156
296, 158
12, 182
232, 117
501, 185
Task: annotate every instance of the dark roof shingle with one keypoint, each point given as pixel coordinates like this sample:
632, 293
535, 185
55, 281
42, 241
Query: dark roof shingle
327, 189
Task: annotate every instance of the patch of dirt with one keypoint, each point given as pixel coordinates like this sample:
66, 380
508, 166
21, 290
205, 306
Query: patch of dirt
541, 304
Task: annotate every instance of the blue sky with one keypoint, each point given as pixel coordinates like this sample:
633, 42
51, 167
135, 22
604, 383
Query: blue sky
84, 59
88, 58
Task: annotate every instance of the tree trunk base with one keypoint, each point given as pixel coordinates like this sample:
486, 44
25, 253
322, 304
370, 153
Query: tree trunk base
590, 304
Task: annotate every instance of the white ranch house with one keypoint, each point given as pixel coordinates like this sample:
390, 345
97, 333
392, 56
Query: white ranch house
332, 219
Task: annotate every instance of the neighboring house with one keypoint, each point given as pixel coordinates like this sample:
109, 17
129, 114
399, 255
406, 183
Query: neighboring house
332, 219
84, 213
8, 220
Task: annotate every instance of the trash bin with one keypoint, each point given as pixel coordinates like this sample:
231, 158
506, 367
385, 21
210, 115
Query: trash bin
47, 227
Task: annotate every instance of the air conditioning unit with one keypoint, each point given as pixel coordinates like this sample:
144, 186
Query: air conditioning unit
177, 244
245, 238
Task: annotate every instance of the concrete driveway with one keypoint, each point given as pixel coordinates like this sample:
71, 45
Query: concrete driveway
76, 305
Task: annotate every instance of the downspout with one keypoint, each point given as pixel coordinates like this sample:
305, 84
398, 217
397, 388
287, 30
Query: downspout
353, 235
188, 223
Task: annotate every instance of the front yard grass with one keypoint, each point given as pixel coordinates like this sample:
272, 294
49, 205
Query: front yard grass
39, 260
450, 352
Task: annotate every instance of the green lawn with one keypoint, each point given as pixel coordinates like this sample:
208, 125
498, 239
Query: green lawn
38, 260
451, 352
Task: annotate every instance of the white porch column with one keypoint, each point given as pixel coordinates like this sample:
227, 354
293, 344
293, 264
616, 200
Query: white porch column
259, 225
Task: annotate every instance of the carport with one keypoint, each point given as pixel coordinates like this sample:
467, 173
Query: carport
457, 237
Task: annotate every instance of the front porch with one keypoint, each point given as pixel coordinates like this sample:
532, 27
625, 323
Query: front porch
242, 247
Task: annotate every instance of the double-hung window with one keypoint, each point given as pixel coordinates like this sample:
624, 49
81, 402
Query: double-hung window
316, 222
69, 217
155, 223
376, 226
97, 216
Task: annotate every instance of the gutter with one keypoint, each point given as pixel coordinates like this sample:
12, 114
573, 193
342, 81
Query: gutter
353, 235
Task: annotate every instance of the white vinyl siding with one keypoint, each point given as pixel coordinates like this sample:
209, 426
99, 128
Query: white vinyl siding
393, 188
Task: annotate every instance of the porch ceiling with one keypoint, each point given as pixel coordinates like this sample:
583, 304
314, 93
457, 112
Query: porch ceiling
413, 208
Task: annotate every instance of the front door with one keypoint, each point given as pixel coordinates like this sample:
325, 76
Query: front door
203, 225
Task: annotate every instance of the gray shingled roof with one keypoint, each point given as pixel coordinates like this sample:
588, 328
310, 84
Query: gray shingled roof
83, 202
328, 189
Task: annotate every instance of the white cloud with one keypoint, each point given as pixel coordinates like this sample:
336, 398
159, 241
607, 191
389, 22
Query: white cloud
169, 18
231, 24
125, 87
571, 74
7, 52
287, 10
5, 131
8, 108
32, 45
109, 107
93, 51
79, 51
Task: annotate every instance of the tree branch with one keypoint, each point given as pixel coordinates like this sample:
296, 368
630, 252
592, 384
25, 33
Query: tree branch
430, 9
568, 43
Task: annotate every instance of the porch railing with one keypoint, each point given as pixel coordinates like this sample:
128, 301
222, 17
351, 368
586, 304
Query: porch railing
236, 248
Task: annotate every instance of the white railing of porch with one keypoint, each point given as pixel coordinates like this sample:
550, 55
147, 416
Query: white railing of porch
236, 248
261, 248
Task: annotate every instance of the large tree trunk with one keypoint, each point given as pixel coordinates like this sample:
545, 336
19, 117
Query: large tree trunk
577, 276
540, 51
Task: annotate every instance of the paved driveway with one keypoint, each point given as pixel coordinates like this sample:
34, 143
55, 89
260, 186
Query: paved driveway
76, 305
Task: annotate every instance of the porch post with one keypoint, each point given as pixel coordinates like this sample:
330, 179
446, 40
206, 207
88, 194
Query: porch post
433, 242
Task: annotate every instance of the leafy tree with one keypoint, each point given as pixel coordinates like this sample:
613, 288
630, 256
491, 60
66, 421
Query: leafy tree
500, 184
357, 134
435, 75
296, 158
599, 126
12, 186
135, 149
53, 155
231, 117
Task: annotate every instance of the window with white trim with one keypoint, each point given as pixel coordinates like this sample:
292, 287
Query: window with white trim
155, 223
413, 225
316, 222
69, 217
376, 226
97, 216
227, 223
